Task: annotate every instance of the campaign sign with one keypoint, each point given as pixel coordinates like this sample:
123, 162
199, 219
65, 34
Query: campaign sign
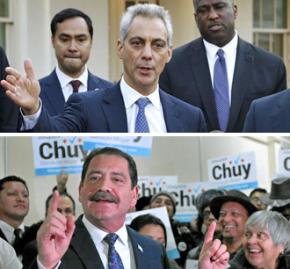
161, 213
284, 162
150, 185
133, 145
241, 166
55, 154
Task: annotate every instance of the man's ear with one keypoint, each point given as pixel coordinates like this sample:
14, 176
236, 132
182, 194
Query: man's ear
120, 47
235, 11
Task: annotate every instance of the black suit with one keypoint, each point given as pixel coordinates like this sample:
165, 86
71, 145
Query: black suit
82, 253
8, 110
257, 73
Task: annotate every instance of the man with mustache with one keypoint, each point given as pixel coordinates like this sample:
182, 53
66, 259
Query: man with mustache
14, 206
72, 38
220, 72
107, 191
136, 104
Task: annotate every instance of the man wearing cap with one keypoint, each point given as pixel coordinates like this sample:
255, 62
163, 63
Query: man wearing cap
232, 211
279, 198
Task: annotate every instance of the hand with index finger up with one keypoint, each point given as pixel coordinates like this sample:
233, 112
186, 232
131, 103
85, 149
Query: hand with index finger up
213, 254
54, 235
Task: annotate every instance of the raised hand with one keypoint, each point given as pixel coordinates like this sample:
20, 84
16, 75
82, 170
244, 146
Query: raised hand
61, 180
23, 91
213, 254
54, 235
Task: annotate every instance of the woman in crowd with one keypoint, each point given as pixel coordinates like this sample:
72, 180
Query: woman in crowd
266, 245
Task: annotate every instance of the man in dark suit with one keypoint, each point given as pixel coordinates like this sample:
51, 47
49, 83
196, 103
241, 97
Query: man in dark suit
71, 35
269, 114
14, 206
144, 47
8, 110
108, 190
251, 71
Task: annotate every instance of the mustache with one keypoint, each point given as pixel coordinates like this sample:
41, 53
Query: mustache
103, 195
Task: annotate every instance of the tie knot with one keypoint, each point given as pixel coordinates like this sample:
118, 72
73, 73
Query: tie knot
17, 233
220, 53
142, 102
111, 239
75, 85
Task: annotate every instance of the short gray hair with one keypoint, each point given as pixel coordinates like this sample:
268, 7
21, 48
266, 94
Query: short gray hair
273, 222
147, 11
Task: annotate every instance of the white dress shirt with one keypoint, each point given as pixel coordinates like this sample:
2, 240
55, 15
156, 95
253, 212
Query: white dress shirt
230, 53
153, 111
65, 80
8, 230
8, 258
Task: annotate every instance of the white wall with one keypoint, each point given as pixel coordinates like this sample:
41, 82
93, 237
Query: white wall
184, 156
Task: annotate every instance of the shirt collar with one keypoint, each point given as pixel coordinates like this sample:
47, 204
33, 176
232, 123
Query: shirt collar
98, 235
65, 79
7, 227
228, 49
130, 95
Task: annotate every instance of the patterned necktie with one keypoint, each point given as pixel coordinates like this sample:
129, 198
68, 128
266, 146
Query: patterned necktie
141, 124
75, 85
114, 259
221, 90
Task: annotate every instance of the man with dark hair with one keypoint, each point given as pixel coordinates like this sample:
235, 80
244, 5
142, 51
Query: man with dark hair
255, 197
14, 206
72, 37
107, 191
8, 110
219, 72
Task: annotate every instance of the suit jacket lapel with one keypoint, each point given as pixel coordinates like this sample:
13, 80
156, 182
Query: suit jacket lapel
114, 109
84, 246
170, 113
198, 63
242, 75
54, 93
92, 82
140, 258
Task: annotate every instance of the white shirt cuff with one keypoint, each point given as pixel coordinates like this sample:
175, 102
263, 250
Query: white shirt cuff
40, 265
29, 121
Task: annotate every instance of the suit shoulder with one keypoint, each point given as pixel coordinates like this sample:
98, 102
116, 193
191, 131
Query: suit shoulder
102, 83
260, 52
273, 99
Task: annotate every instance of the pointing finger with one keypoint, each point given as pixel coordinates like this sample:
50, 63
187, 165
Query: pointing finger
210, 233
54, 203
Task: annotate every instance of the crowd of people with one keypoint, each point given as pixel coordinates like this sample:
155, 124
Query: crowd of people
230, 231
217, 82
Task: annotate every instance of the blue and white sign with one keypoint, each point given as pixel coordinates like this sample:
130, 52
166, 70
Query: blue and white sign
284, 162
133, 145
240, 167
55, 154
150, 185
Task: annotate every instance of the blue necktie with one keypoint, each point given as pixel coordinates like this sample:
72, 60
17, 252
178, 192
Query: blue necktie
114, 259
141, 124
221, 90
